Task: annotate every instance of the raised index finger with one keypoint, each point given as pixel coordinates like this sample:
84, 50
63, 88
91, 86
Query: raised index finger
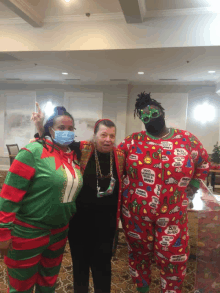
38, 108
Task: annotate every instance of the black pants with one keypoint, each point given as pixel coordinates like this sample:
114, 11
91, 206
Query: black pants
91, 236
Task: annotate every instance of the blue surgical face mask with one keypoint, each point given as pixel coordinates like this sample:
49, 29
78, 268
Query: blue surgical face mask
65, 137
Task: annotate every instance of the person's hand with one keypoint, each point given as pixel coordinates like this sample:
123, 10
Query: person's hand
38, 118
5, 246
32, 140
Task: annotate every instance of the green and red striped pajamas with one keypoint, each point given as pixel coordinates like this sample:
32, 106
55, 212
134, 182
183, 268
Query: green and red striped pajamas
35, 259
36, 204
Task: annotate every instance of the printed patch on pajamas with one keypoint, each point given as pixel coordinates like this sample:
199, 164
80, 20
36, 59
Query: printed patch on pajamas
166, 240
141, 192
204, 166
180, 152
126, 180
163, 283
167, 145
148, 176
178, 161
172, 230
157, 189
133, 157
184, 181
125, 212
165, 158
133, 272
185, 203
134, 235
154, 203
162, 222
174, 210
178, 258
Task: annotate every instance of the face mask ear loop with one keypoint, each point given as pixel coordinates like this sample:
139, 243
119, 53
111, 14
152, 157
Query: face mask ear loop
54, 133
52, 149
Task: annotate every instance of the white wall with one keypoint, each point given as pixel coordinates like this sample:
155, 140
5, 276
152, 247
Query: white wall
56, 97
119, 101
2, 122
86, 109
114, 102
207, 133
179, 103
18, 128
175, 105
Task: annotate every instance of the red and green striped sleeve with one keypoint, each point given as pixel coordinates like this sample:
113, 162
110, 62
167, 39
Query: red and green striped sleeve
201, 161
14, 188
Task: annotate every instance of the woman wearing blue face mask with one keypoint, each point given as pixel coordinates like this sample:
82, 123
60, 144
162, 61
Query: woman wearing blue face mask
60, 128
93, 227
36, 204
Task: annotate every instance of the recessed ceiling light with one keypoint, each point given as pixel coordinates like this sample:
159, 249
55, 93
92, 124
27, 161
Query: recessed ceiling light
67, 0
140, 72
65, 73
212, 71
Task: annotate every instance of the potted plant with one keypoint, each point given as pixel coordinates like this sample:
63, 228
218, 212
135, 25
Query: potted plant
215, 157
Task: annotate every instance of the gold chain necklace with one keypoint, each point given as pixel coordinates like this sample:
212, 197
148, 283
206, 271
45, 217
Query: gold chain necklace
166, 133
99, 174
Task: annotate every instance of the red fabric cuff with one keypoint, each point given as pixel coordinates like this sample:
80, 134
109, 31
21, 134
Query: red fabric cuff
5, 234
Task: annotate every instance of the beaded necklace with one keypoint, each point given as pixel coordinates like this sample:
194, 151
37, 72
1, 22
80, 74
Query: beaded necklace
99, 175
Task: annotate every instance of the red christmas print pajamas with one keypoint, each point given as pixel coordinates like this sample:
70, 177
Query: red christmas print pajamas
154, 204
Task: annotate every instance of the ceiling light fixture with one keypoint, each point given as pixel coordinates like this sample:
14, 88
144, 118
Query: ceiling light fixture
67, 1
211, 71
140, 72
65, 73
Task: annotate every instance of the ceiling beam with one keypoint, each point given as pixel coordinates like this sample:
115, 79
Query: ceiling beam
134, 10
26, 11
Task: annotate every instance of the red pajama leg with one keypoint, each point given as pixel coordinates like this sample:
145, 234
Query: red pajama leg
139, 233
171, 249
23, 260
51, 261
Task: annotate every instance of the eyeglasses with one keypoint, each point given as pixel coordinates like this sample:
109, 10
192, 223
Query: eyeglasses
153, 113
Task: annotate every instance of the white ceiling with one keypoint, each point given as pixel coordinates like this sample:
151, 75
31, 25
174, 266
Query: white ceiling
178, 4
101, 66
60, 7
49, 8
77, 7
6, 12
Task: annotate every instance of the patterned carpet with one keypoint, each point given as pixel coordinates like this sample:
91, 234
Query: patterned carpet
121, 281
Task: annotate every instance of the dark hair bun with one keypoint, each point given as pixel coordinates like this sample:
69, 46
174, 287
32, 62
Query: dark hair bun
59, 110
143, 100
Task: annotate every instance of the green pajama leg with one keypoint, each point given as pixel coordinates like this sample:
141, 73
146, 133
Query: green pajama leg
38, 262
12, 290
50, 263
